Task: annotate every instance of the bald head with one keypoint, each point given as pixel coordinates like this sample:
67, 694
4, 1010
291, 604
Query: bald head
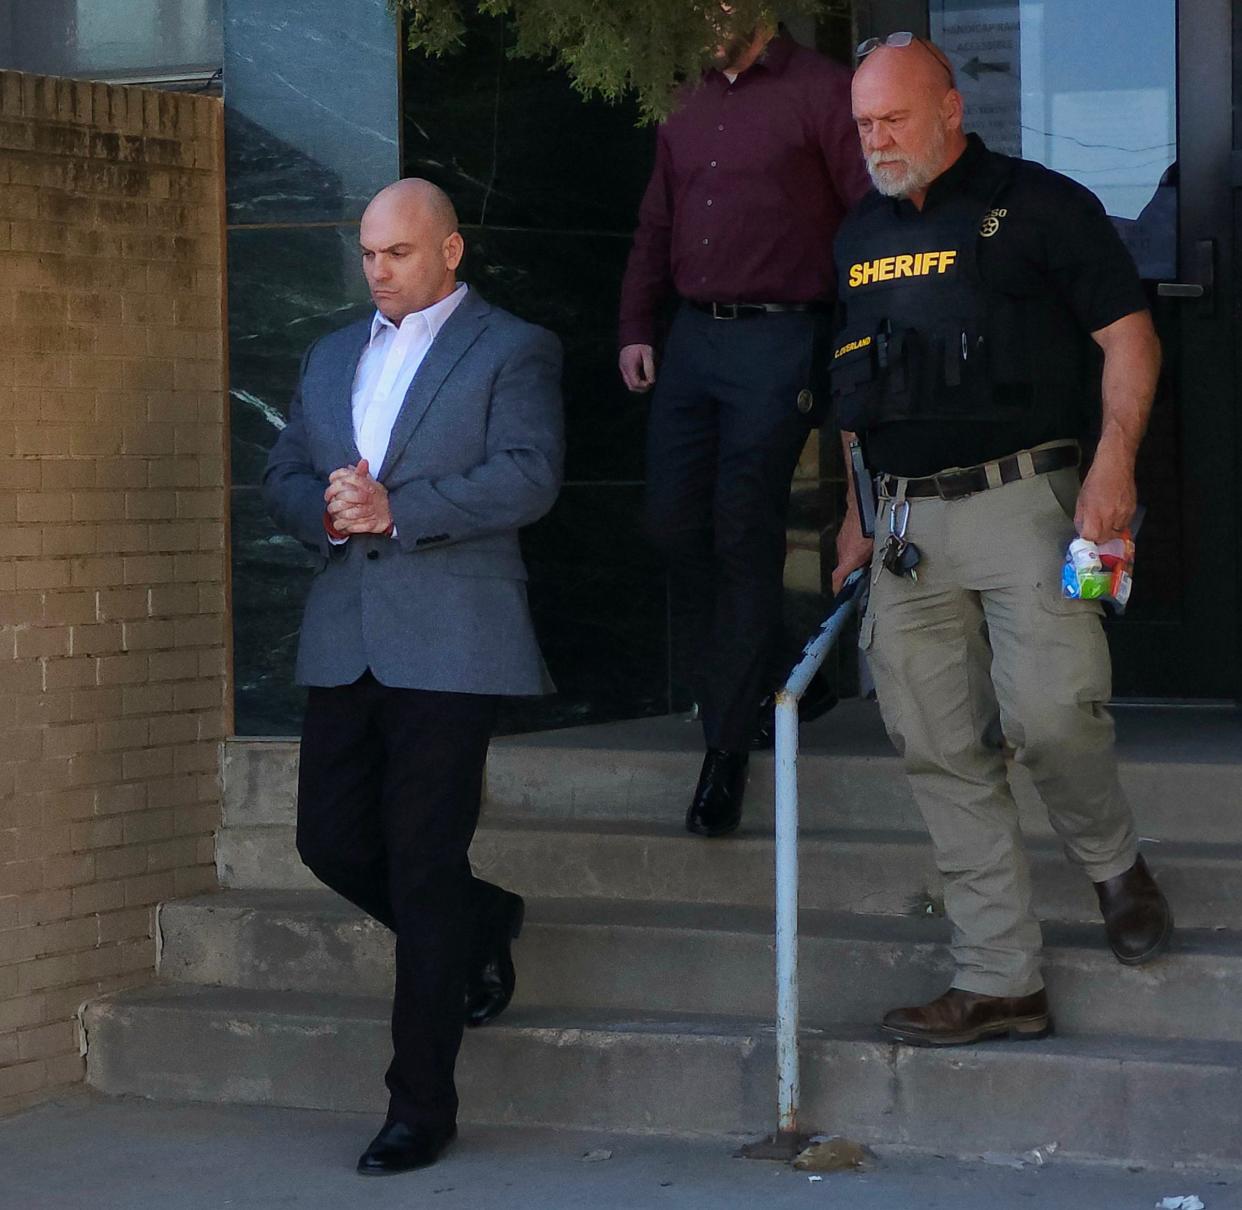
909, 117
411, 247
416, 201
922, 66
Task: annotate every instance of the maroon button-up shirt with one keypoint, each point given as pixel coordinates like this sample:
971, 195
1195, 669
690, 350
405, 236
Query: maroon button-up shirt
751, 181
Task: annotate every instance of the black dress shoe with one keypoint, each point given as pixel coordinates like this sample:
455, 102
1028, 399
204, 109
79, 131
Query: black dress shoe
490, 984
402, 1148
959, 1017
717, 806
1137, 918
816, 701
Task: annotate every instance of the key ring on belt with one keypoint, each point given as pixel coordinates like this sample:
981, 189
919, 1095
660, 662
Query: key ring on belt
897, 505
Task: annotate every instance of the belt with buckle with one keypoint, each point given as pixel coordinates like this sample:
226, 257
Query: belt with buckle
965, 481
734, 310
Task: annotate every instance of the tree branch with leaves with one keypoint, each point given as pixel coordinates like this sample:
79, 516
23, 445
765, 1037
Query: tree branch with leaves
609, 48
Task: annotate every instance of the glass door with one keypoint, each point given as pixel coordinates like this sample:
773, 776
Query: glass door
1133, 98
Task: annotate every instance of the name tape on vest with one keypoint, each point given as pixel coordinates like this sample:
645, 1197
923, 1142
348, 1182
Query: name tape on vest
886, 268
861, 343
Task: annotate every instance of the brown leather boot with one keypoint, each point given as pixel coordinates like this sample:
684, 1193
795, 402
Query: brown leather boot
1137, 918
960, 1017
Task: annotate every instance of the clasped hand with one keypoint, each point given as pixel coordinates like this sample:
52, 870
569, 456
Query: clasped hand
356, 501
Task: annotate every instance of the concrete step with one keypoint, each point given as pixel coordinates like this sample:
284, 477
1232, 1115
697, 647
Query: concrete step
1181, 767
687, 958
1125, 1100
874, 873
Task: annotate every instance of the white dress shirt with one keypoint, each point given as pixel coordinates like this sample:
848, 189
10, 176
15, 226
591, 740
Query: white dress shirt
386, 369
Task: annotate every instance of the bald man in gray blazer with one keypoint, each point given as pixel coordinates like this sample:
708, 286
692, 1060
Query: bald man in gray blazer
419, 442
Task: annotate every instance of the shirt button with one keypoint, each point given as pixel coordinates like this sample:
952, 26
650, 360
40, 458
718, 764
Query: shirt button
372, 554
712, 164
719, 127
709, 201
706, 242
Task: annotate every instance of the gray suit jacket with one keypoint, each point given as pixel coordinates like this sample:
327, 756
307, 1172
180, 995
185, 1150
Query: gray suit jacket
475, 454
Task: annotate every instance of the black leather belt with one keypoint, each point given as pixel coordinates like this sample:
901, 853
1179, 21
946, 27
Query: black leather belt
719, 310
954, 484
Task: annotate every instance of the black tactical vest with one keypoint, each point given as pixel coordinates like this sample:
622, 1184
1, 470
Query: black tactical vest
924, 337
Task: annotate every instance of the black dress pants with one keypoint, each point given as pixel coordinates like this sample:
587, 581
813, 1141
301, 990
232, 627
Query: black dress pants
389, 787
723, 441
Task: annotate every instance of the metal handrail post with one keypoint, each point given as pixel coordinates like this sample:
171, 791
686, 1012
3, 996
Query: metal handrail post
787, 1011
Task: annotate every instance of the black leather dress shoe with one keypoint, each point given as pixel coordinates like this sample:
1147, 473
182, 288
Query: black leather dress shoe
1137, 918
402, 1148
816, 701
490, 984
717, 806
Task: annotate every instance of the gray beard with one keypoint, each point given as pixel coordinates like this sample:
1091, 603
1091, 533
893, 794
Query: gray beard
916, 174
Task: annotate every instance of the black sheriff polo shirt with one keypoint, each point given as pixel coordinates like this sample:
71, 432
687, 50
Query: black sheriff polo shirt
1053, 235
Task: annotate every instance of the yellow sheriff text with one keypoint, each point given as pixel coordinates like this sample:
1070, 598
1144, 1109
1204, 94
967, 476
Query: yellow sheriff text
886, 268
862, 343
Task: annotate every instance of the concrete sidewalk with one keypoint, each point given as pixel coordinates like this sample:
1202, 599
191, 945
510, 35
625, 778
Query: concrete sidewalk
92, 1153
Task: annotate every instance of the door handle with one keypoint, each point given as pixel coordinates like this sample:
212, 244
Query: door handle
1205, 283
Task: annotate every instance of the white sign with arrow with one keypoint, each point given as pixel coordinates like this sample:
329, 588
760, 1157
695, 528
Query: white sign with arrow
984, 44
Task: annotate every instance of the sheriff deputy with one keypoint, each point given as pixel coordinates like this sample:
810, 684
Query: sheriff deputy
979, 293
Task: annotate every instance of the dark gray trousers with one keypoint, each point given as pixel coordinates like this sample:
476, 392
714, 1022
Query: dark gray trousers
723, 441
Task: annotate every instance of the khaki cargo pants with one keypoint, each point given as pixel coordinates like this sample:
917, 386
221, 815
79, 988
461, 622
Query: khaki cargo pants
985, 644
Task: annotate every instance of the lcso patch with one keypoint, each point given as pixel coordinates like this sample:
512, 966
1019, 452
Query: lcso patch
991, 223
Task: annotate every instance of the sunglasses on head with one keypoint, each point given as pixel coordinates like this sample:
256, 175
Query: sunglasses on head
903, 38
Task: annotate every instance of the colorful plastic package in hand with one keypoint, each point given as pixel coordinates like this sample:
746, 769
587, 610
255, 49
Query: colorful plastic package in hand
1099, 571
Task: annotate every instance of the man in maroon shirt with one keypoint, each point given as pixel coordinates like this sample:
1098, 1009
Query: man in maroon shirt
754, 172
